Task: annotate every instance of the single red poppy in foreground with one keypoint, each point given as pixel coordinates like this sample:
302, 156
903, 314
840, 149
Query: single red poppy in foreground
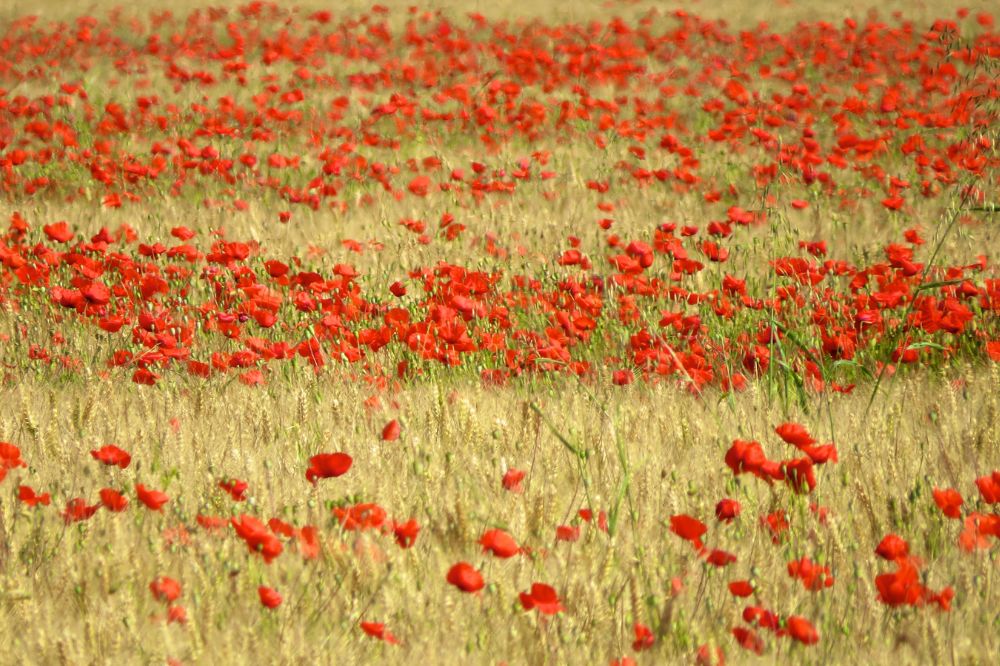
153, 499
257, 536
176, 614
727, 510
512, 480
949, 501
328, 466
28, 495
406, 533
892, 547
720, 558
802, 630
390, 432
113, 500
465, 577
269, 597
989, 487
543, 598
749, 640
10, 458
112, 455
499, 543
237, 489
165, 589
688, 528
77, 509
567, 533
644, 638
378, 630
795, 434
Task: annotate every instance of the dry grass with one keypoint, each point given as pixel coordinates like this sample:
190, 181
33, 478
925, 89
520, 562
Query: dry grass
85, 592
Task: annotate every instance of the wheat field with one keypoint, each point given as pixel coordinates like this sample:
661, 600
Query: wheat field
542, 272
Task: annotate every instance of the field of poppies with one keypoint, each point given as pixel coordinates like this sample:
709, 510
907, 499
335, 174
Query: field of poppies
610, 333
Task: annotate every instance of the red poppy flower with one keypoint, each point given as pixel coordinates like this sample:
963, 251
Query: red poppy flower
799, 474
622, 377
567, 533
77, 509
943, 598
112, 455
892, 547
10, 458
360, 517
153, 499
602, 518
977, 527
28, 496
644, 638
688, 528
727, 510
279, 526
499, 543
237, 489
176, 614
821, 454
748, 639
390, 432
989, 487
257, 537
747, 457
113, 500
949, 501
165, 589
145, 377
378, 630
182, 233
211, 522
740, 588
795, 434
901, 587
58, 232
543, 598
309, 546
328, 466
893, 202
762, 617
776, 523
269, 597
465, 577
802, 630
913, 236
512, 480
813, 576
419, 186
406, 533
720, 558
